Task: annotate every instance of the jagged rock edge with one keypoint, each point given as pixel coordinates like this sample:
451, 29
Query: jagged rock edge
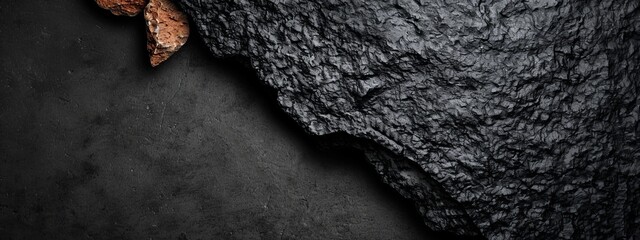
389, 167
382, 155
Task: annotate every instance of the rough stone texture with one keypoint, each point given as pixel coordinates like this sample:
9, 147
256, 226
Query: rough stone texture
509, 119
123, 7
167, 30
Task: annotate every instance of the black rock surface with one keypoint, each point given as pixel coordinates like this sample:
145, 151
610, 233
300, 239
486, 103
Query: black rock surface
506, 119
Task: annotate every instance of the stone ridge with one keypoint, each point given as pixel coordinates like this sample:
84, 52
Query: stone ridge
519, 119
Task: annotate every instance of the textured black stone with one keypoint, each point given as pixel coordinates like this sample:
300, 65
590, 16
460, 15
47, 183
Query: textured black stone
507, 119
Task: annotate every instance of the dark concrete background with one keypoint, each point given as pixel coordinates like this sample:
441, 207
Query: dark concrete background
95, 144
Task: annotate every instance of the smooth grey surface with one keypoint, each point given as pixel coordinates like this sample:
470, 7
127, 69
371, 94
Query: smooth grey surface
511, 119
94, 144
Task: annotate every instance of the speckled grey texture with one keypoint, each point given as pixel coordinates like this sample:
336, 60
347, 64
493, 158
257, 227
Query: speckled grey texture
509, 119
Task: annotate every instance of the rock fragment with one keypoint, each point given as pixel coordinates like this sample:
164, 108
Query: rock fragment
167, 30
123, 7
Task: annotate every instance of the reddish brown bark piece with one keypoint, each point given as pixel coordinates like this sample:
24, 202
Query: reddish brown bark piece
123, 7
167, 30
